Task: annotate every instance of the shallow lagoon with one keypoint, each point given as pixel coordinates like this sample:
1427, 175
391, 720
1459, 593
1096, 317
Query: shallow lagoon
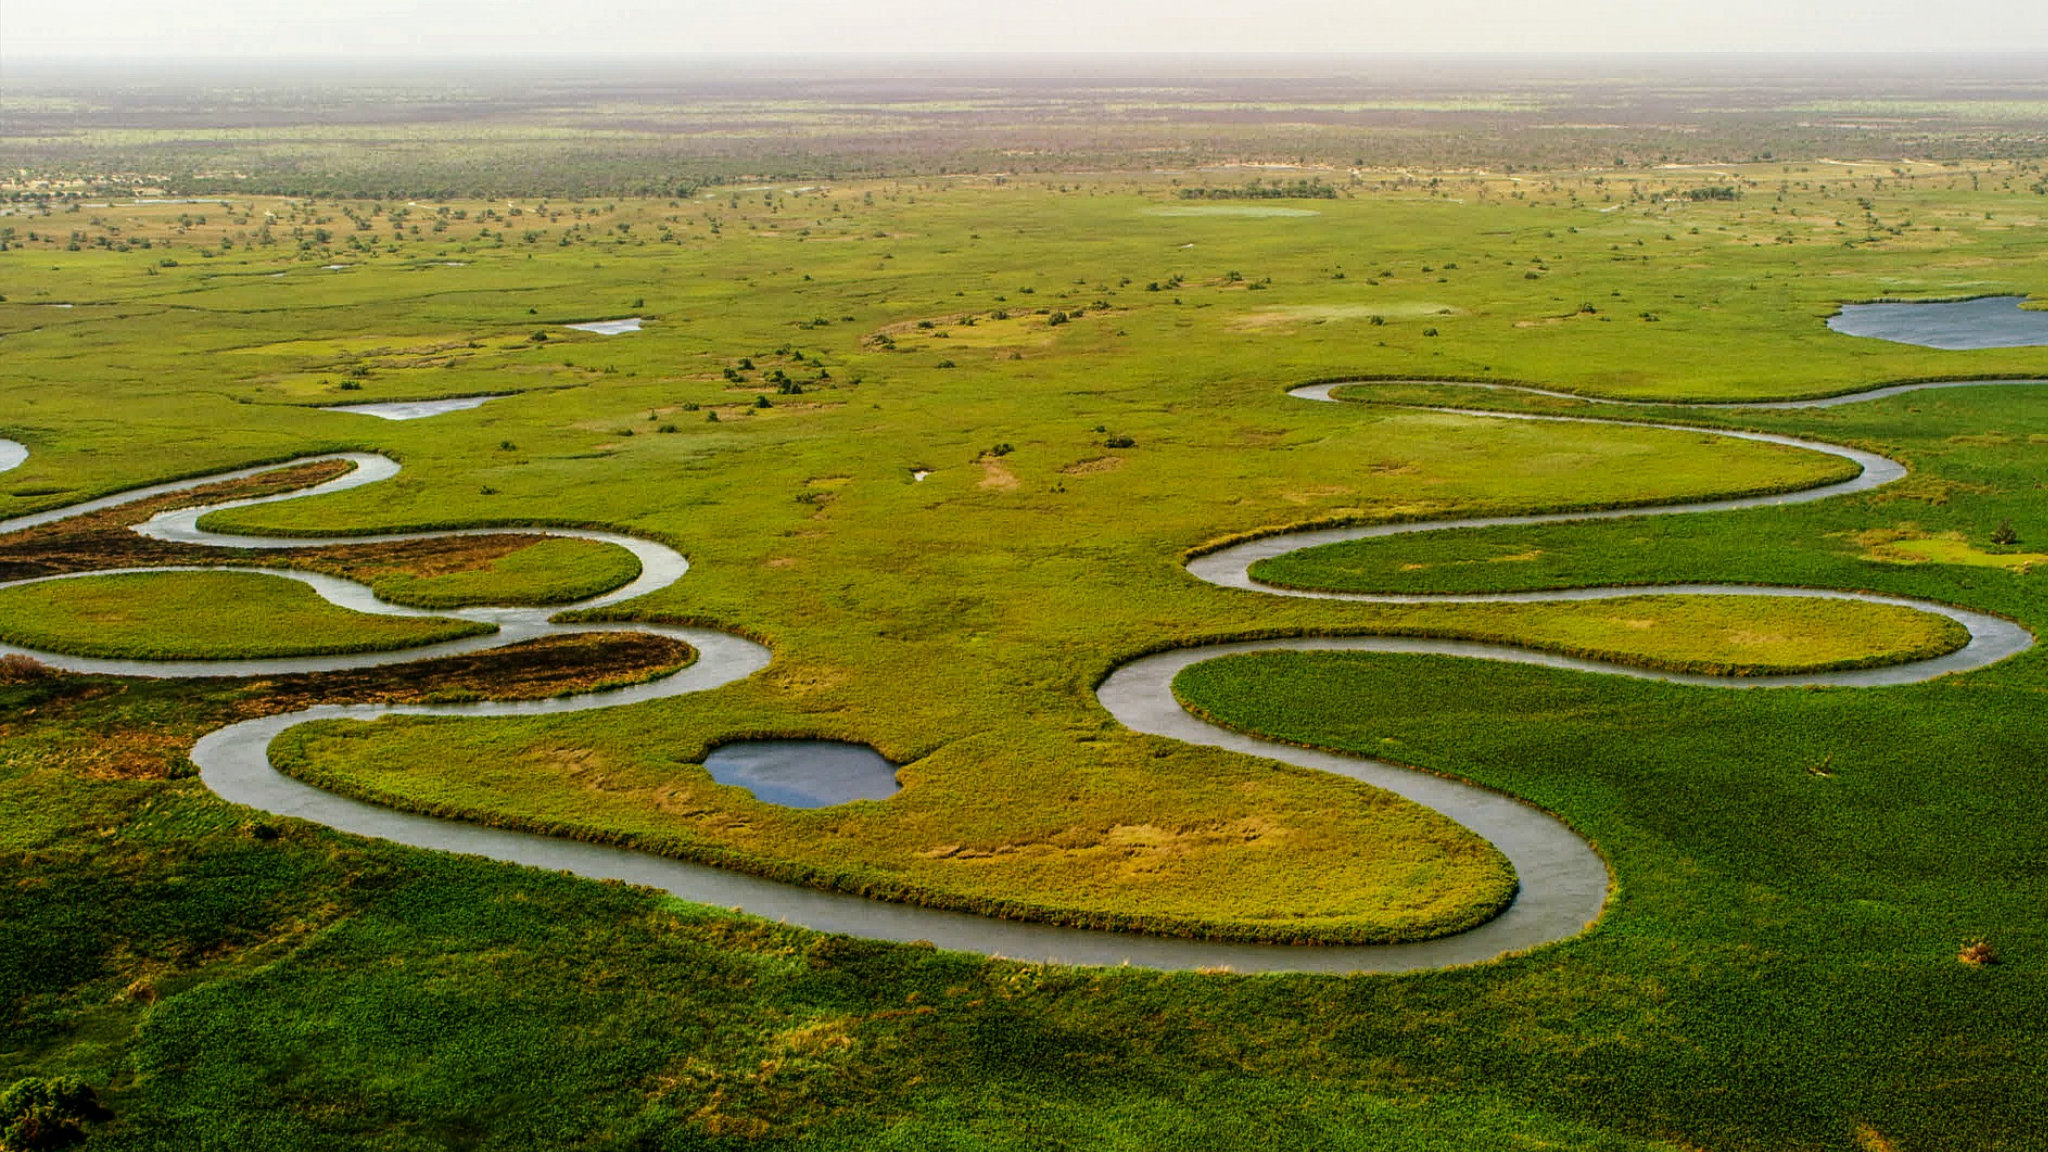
609, 327
803, 773
1955, 325
416, 409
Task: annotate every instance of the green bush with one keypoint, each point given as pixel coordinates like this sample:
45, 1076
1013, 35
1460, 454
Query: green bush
38, 1113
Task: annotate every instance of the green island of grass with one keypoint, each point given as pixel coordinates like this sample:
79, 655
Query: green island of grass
203, 616
551, 570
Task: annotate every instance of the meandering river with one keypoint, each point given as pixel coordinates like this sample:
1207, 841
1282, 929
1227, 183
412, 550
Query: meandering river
1563, 881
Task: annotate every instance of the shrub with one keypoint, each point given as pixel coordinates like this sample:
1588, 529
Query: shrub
18, 669
1978, 953
1001, 450
38, 1113
763, 402
1119, 442
2004, 534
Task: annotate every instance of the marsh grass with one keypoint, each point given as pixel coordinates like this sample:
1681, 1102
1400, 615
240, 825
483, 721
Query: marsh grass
203, 616
1779, 965
462, 572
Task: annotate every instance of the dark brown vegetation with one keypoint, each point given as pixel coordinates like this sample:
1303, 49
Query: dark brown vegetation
103, 540
537, 669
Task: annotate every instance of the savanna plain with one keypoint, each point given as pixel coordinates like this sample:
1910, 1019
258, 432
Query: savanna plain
943, 432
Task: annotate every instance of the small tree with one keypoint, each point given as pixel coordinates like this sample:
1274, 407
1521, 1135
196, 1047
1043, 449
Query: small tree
2004, 534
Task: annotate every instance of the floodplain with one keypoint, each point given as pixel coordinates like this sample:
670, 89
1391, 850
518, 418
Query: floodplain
943, 447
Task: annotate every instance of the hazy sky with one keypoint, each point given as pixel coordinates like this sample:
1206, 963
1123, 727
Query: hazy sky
337, 29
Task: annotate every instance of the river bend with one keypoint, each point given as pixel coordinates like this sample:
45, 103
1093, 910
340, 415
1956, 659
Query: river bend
1563, 881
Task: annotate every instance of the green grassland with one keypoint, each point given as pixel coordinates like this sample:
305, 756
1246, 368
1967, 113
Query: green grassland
1302, 864
181, 616
541, 571
1797, 890
1768, 976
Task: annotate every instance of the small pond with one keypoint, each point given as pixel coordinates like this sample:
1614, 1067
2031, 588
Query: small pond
608, 327
1989, 322
416, 409
803, 773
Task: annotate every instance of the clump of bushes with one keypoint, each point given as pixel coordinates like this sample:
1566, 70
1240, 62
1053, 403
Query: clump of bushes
1003, 449
1978, 953
47, 1112
2005, 534
1119, 442
18, 669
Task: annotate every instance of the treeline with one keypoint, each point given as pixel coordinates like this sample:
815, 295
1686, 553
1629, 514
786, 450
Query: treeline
1713, 192
1256, 190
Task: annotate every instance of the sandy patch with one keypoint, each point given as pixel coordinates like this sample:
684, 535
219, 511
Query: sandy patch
994, 474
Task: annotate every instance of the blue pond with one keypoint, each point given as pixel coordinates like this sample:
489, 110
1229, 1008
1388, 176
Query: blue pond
804, 773
1991, 322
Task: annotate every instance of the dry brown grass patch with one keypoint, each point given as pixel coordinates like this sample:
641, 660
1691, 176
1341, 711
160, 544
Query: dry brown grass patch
996, 475
1094, 466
